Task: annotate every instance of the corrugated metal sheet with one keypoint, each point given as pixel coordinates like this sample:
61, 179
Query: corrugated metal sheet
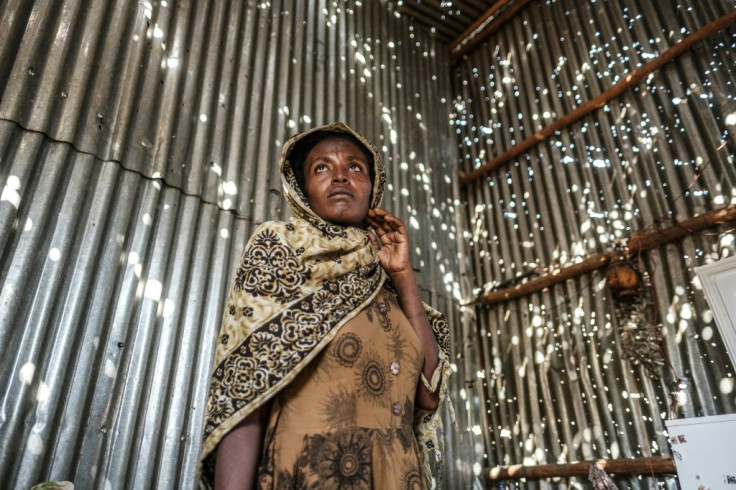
138, 147
167, 90
445, 20
555, 386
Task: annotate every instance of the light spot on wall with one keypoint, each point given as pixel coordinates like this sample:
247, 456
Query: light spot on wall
35, 443
25, 374
153, 289
42, 394
169, 308
10, 191
229, 187
111, 371
54, 254
147, 10
726, 386
681, 398
707, 316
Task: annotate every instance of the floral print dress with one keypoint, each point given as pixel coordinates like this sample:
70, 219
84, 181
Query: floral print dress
346, 421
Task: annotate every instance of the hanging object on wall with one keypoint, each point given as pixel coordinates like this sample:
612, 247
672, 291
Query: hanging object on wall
622, 278
678, 386
631, 287
599, 478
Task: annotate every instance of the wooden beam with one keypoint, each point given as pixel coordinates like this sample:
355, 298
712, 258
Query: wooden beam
485, 33
661, 465
599, 101
638, 242
475, 25
647, 239
537, 284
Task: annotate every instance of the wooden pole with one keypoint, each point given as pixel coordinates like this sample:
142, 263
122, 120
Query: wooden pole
537, 284
631, 79
661, 465
648, 239
475, 25
496, 24
638, 242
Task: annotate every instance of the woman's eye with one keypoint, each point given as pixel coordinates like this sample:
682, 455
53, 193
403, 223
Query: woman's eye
320, 167
356, 167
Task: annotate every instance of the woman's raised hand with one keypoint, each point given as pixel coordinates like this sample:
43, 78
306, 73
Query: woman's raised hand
392, 244
390, 240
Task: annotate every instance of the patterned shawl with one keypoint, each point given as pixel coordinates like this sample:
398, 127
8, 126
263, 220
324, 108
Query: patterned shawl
296, 285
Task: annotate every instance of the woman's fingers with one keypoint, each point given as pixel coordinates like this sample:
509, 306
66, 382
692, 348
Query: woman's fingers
384, 221
374, 240
390, 240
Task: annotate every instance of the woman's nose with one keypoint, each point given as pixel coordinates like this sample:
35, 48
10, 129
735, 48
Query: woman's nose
340, 175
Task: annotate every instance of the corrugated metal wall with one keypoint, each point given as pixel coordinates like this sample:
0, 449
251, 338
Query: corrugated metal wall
552, 379
138, 147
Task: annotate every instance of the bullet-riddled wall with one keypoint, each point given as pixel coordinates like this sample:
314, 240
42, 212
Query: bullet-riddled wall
138, 148
562, 371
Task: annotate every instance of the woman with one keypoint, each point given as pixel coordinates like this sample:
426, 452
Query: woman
329, 369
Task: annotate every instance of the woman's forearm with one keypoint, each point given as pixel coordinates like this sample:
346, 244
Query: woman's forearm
239, 452
411, 304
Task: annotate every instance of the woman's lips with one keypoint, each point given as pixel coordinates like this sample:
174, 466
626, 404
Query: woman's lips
340, 192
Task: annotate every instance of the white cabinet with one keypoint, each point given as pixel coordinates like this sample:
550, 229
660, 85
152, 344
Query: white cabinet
704, 450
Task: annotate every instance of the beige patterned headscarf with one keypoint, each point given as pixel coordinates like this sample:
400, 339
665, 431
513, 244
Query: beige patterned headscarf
296, 285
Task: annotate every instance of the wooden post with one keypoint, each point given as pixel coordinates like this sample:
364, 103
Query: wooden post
599, 101
485, 33
456, 50
640, 241
478, 22
661, 465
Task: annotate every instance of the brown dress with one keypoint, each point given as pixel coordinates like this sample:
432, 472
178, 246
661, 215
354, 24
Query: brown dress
346, 421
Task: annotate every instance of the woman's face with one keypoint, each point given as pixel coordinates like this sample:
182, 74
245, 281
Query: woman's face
338, 182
